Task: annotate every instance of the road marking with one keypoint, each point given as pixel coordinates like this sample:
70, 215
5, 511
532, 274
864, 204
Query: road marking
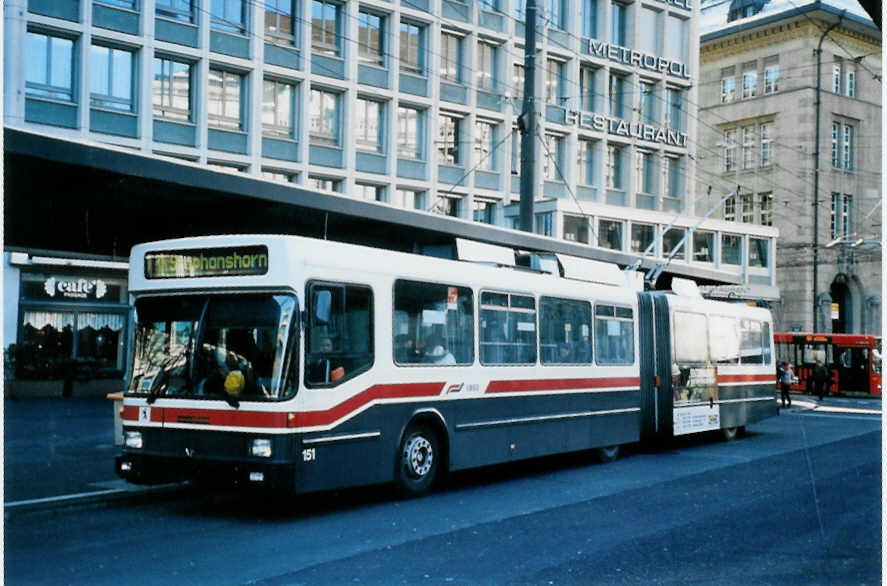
61, 499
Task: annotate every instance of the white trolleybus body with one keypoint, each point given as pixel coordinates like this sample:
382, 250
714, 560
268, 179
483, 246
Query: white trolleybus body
304, 365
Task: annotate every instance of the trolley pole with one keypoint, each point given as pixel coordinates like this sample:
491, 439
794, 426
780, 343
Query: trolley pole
527, 122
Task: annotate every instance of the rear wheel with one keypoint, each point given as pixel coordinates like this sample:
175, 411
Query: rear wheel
608, 453
418, 460
730, 433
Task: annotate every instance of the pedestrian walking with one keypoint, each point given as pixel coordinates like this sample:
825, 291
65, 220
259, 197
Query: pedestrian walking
821, 378
785, 376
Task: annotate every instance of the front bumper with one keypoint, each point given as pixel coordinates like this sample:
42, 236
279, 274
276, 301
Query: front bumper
150, 469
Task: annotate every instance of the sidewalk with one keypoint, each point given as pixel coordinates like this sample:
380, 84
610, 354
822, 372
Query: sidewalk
59, 447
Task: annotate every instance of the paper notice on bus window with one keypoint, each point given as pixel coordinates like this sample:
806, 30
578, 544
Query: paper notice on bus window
698, 418
452, 297
432, 316
523, 326
584, 330
613, 328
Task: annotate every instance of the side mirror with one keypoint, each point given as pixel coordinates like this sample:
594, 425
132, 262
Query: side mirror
323, 302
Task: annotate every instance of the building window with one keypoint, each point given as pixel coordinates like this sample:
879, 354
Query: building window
836, 153
111, 78
451, 57
674, 243
766, 205
226, 167
279, 21
519, 9
486, 65
833, 228
748, 147
647, 103
517, 81
483, 210
576, 229
617, 95
674, 177
731, 249
848, 147
609, 234
553, 159
325, 183
846, 209
614, 178
325, 26
646, 173
555, 16
278, 108
544, 224
749, 84
228, 16
449, 140
369, 192
730, 209
489, 5
223, 100
484, 145
589, 18
703, 246
766, 145
674, 101
410, 124
181, 10
282, 176
850, 86
324, 116
677, 38
730, 149
172, 89
586, 162
758, 253
836, 78
554, 74
728, 89
588, 88
642, 238
409, 199
370, 35
369, 131
651, 22
49, 67
771, 79
618, 14
412, 48
746, 200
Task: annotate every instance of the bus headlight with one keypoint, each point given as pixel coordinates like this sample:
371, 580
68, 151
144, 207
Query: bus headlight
261, 448
133, 439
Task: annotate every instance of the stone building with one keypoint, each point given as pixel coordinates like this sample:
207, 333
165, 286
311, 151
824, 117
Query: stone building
758, 120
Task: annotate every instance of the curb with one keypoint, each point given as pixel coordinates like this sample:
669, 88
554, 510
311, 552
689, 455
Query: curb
100, 497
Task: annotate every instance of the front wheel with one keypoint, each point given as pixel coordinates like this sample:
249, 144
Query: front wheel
608, 453
418, 460
730, 433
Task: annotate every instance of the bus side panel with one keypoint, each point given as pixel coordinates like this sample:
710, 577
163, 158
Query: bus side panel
646, 360
665, 395
734, 412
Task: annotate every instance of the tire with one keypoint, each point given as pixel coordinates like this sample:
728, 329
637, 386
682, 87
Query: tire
730, 433
608, 453
418, 460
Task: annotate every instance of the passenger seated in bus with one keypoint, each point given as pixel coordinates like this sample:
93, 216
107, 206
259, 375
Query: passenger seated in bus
405, 351
325, 368
564, 355
583, 351
437, 352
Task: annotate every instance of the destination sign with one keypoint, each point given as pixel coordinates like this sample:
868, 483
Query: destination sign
207, 262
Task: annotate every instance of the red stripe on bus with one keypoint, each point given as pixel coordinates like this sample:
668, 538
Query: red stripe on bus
746, 378
131, 413
225, 418
398, 391
516, 386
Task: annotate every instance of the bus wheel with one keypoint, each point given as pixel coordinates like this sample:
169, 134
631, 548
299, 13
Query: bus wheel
418, 460
730, 433
608, 454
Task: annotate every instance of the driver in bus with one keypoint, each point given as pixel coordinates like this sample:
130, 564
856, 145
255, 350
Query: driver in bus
326, 367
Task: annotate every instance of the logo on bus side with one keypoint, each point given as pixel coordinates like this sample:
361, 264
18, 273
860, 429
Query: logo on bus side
463, 388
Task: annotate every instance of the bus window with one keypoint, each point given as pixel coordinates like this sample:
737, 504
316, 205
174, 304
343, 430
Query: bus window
507, 328
433, 324
766, 340
339, 338
751, 349
614, 334
690, 345
564, 331
723, 334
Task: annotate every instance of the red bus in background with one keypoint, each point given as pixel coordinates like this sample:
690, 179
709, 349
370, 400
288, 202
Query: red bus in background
853, 359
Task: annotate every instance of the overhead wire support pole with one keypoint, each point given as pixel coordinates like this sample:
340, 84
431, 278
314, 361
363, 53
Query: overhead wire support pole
651, 277
816, 172
527, 122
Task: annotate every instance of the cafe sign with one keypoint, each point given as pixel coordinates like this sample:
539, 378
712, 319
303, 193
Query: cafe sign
75, 288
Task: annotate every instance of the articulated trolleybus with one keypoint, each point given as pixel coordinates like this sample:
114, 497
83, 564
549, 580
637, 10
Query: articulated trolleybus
300, 364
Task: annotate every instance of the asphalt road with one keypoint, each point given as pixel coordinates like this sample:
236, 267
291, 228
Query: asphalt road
797, 501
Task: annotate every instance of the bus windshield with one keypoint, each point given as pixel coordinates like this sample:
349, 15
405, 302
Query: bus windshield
216, 346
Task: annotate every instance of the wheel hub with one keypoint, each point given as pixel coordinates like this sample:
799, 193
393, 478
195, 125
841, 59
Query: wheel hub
418, 456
